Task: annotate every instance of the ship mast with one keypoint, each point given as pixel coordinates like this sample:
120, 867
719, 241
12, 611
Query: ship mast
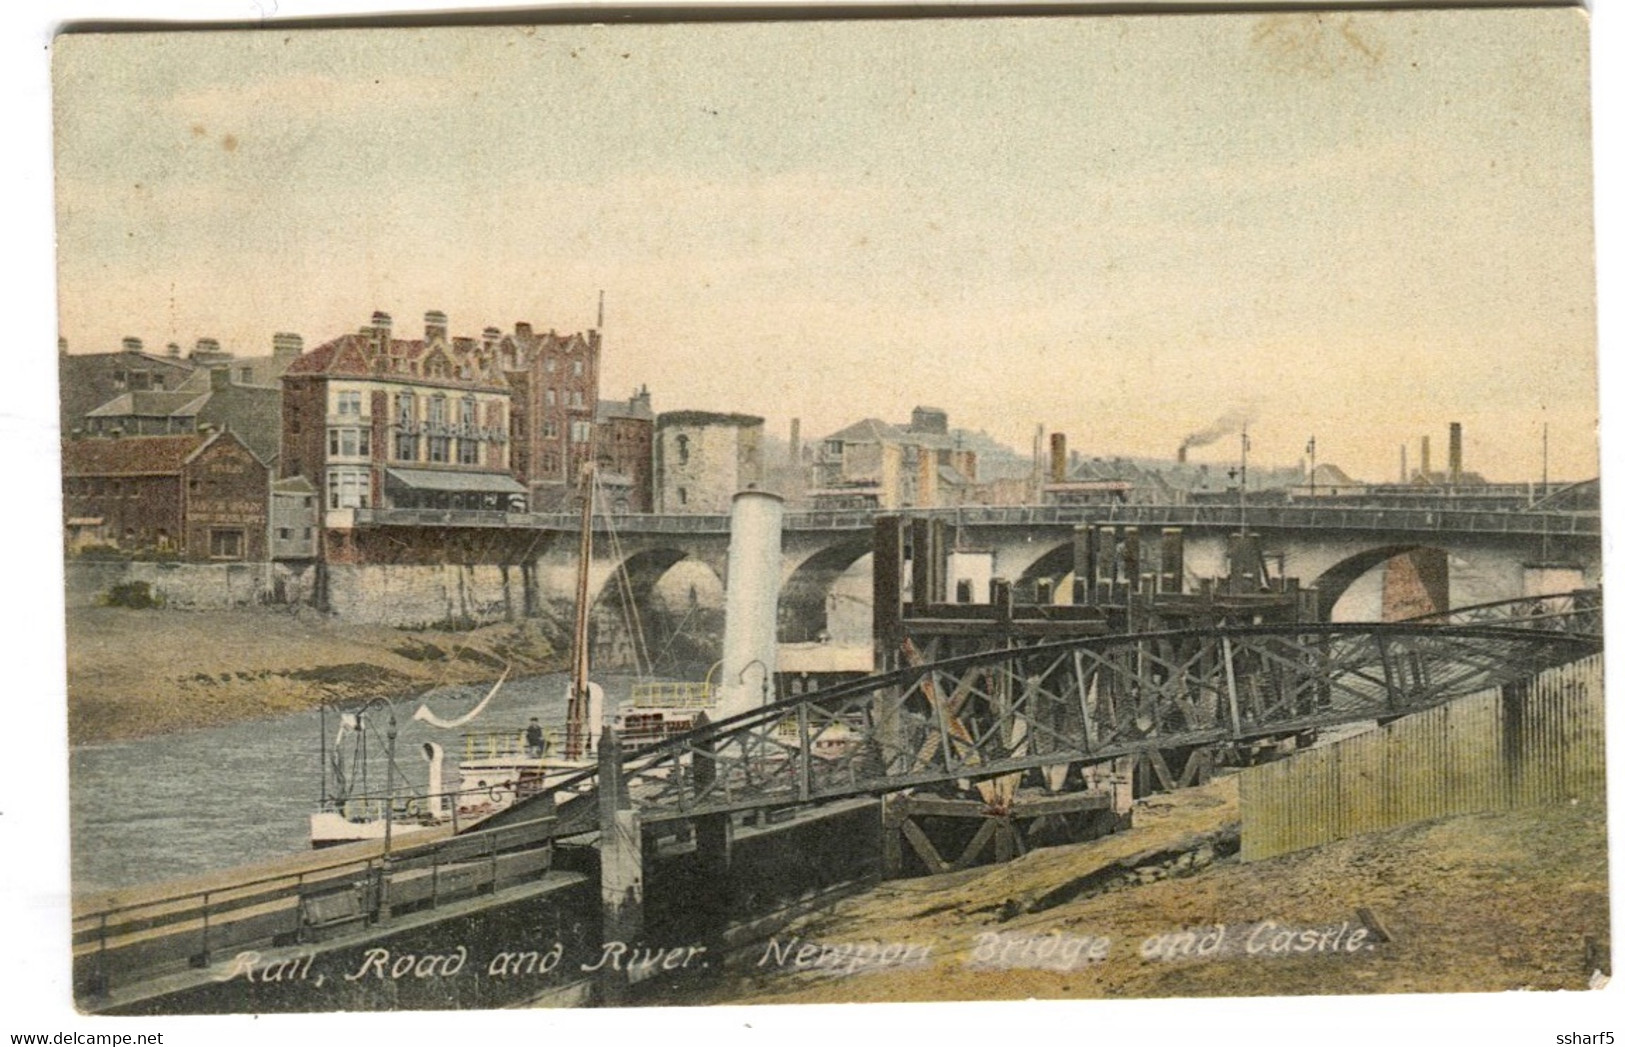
576, 726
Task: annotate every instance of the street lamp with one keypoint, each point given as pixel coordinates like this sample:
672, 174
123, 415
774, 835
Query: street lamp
765, 675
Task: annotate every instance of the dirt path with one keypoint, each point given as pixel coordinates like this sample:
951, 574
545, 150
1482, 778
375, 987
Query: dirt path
1481, 903
133, 673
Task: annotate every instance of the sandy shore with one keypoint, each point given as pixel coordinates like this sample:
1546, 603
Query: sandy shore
134, 673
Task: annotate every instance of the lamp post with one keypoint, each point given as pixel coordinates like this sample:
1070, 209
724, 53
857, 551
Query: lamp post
765, 675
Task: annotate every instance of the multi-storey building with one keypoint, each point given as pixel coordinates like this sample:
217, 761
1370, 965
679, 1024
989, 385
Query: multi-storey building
623, 443
702, 459
553, 379
875, 465
374, 421
200, 496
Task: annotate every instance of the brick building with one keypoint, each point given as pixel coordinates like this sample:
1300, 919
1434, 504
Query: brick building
553, 380
200, 496
623, 446
374, 421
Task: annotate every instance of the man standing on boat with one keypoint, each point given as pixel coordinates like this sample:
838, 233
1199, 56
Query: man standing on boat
533, 738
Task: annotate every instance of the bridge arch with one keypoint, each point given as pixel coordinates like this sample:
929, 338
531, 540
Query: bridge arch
635, 625
804, 598
1054, 567
1430, 577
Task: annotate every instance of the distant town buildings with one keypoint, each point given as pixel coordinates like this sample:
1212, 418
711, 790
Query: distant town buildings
873, 464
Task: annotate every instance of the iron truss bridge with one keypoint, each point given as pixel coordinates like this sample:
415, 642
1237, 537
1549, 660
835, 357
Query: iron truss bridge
1065, 705
1578, 612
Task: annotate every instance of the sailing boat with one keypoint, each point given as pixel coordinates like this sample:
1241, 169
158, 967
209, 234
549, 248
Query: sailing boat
496, 767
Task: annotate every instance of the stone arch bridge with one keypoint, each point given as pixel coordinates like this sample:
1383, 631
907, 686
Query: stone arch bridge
525, 564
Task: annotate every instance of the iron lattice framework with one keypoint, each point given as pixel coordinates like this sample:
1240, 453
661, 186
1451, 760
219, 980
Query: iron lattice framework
1075, 703
1578, 612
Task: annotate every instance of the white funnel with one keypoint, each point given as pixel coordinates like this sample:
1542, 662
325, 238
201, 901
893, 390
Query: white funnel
436, 756
750, 632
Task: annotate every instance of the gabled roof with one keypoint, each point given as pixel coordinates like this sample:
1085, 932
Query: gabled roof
151, 404
870, 430
1327, 473
355, 356
129, 456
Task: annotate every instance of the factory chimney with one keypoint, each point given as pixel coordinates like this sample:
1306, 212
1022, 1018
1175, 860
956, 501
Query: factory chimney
1427, 465
1455, 454
1057, 458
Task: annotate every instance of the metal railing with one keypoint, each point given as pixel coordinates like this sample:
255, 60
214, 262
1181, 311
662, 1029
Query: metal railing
1414, 520
122, 943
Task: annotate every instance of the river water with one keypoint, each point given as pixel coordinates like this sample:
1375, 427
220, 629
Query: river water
177, 805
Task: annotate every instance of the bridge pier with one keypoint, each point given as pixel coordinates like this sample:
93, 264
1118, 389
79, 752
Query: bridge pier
620, 878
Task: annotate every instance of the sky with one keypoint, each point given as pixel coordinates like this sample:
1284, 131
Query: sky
1357, 227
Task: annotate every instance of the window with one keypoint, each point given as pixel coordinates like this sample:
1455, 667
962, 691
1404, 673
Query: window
580, 432
439, 448
468, 452
349, 403
404, 404
225, 544
349, 489
550, 429
549, 365
576, 368
551, 398
284, 534
682, 449
406, 447
437, 410
550, 462
349, 442
682, 496
575, 397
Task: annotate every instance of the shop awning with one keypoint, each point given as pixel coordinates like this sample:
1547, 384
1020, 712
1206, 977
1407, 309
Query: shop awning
459, 482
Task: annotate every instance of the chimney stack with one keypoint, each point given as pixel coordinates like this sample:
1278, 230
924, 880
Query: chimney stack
286, 347
1427, 467
522, 331
174, 350
382, 331
434, 325
1455, 453
493, 335
1057, 458
132, 344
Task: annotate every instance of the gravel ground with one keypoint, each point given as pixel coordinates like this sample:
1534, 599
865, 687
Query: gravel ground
1481, 903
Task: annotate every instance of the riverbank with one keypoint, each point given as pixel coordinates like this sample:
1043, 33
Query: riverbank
133, 673
1484, 903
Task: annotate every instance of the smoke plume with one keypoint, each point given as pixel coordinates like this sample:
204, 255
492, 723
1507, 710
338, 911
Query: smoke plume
1231, 421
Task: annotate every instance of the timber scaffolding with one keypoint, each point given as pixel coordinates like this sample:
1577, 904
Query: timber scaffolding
727, 831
